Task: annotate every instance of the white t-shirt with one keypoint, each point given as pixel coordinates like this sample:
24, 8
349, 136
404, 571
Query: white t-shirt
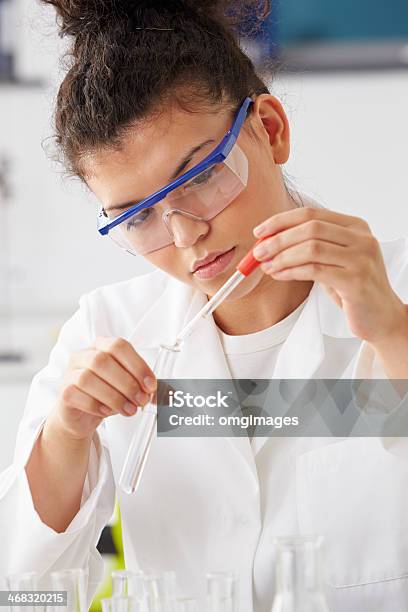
255, 355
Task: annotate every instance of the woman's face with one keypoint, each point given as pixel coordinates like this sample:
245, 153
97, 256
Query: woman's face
148, 158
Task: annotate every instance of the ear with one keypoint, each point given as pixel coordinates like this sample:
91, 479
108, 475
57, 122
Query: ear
271, 120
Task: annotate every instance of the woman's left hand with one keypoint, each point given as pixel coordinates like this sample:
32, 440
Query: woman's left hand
340, 252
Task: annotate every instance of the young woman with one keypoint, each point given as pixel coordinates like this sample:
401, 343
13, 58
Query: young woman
153, 90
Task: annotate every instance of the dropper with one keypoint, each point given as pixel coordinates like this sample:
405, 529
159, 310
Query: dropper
243, 269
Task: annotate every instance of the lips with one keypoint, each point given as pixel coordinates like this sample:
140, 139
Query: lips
216, 266
206, 260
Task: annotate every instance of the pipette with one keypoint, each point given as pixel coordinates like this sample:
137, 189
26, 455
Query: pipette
141, 441
244, 268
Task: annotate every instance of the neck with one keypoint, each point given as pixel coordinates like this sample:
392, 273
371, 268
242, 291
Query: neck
267, 304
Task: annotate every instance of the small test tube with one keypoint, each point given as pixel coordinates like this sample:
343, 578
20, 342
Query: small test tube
121, 604
187, 605
146, 427
127, 583
75, 582
221, 591
161, 592
27, 581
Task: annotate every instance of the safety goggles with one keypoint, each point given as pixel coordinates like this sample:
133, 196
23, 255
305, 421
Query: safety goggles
201, 193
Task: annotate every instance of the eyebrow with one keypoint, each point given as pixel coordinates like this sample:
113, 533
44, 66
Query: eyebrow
185, 161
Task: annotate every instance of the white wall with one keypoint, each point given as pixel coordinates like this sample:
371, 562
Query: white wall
349, 135
349, 143
57, 253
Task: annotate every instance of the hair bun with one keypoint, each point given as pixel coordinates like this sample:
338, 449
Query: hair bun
76, 16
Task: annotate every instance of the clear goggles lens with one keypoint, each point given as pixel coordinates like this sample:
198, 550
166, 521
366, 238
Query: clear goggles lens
203, 197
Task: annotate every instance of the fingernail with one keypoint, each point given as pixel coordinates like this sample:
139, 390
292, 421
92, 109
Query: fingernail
259, 229
130, 408
268, 266
149, 383
260, 251
141, 398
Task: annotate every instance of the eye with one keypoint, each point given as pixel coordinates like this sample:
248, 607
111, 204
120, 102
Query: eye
202, 178
138, 219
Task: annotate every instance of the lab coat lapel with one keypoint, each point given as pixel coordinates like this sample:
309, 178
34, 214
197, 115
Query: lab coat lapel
303, 351
202, 355
164, 318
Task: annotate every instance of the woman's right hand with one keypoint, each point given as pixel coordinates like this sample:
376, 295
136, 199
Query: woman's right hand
107, 378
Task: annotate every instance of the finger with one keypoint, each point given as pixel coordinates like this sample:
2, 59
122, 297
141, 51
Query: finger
290, 218
73, 397
331, 275
105, 394
107, 368
310, 230
125, 354
310, 251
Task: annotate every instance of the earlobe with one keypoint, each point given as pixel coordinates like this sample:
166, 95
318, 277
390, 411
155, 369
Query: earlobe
275, 124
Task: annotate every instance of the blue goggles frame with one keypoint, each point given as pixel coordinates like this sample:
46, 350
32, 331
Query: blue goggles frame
217, 156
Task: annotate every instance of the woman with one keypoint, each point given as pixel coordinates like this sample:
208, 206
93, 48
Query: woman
153, 89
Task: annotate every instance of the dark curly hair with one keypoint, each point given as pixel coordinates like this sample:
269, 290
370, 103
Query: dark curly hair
128, 59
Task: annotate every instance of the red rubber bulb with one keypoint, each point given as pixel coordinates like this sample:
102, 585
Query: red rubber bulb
249, 263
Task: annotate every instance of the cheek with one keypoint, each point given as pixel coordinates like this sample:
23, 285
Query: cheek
246, 212
260, 199
168, 259
163, 258
265, 182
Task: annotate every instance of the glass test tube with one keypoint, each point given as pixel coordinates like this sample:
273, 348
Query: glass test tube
27, 581
299, 584
161, 592
187, 605
143, 436
75, 582
221, 591
121, 604
145, 427
128, 582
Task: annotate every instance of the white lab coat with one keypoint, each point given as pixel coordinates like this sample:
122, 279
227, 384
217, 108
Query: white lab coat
214, 503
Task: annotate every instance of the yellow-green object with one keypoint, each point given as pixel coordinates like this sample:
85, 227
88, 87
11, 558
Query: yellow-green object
112, 562
117, 534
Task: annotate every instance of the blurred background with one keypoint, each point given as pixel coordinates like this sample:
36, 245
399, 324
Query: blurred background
343, 82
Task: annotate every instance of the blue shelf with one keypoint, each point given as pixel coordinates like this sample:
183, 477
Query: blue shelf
317, 35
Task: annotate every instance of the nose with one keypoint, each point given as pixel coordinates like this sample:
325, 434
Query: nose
185, 228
